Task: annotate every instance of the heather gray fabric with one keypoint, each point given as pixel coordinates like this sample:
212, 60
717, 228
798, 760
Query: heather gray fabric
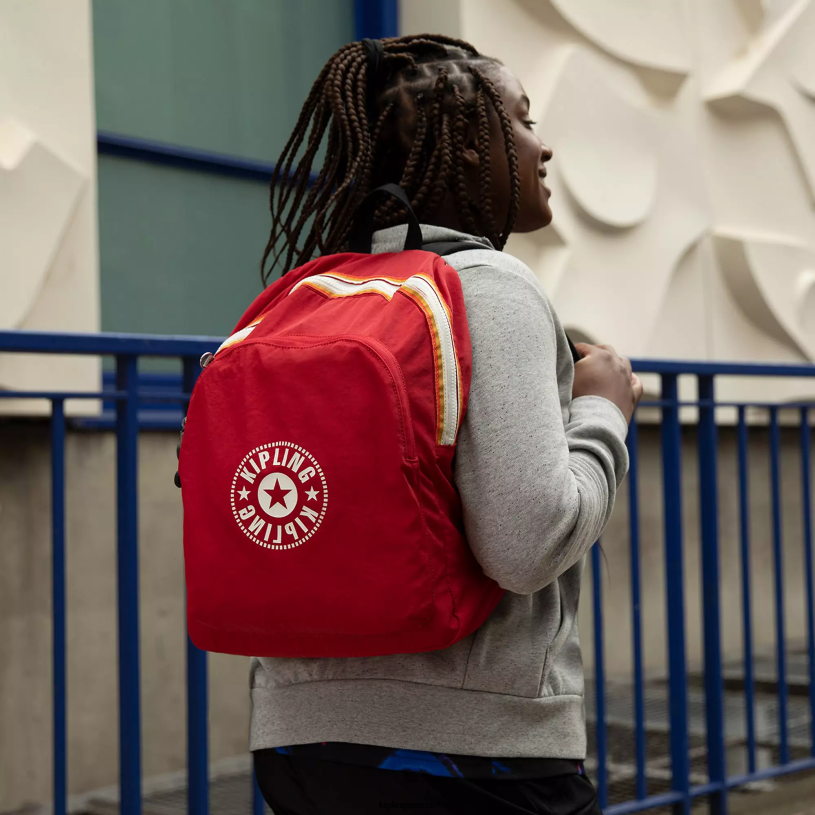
538, 473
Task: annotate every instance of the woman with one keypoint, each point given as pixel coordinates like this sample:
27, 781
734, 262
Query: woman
496, 722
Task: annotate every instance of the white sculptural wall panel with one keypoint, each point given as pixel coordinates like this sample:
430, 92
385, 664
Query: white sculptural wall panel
48, 243
683, 174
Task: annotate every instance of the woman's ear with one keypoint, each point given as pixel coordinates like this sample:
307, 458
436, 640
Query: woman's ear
470, 155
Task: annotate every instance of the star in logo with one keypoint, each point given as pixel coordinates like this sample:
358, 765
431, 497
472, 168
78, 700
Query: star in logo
277, 495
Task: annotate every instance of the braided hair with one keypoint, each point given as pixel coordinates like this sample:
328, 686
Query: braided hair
403, 120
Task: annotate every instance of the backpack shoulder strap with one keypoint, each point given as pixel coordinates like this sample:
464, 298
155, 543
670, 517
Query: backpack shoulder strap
444, 248
575, 353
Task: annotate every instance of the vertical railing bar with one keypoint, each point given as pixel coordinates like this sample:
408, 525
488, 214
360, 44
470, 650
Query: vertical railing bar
778, 557
746, 590
60, 749
599, 677
258, 802
711, 600
127, 439
197, 683
636, 611
809, 572
675, 591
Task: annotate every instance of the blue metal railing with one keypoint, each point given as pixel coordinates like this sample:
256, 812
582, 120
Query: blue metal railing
746, 593
128, 392
127, 395
683, 792
636, 612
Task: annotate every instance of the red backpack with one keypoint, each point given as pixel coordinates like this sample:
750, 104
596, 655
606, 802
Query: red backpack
320, 514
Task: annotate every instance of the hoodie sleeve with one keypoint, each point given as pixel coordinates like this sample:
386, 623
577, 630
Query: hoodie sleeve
537, 474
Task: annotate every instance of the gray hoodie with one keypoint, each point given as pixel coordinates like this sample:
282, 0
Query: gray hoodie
538, 473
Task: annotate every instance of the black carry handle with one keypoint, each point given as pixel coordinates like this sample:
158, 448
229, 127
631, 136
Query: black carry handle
362, 229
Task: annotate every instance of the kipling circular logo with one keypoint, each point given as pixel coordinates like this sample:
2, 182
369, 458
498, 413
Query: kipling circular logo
279, 495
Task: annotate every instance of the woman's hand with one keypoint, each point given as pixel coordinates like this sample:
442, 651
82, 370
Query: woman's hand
603, 372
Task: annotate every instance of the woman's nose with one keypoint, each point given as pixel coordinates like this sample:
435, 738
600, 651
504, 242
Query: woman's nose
546, 152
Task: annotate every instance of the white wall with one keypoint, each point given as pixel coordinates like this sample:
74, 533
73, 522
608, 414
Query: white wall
683, 175
49, 277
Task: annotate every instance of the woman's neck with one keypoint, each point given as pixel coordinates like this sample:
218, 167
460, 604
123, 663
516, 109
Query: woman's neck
447, 216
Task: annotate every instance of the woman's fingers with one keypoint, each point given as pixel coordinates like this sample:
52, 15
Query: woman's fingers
627, 365
637, 387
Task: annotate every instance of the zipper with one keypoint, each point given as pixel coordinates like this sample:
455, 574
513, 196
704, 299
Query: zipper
395, 370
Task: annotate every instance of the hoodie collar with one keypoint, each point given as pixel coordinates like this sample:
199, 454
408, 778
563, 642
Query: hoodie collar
392, 239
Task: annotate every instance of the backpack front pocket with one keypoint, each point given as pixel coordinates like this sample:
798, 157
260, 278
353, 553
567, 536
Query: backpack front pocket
326, 535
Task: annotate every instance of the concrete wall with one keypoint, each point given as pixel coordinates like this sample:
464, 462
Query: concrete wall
49, 275
25, 615
25, 603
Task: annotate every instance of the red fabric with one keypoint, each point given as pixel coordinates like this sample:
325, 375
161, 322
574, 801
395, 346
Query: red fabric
319, 432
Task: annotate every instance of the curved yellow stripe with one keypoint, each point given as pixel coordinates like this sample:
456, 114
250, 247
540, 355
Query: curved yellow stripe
238, 336
423, 291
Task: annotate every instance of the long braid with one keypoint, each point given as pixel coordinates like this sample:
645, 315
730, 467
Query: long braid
412, 163
392, 212
443, 176
317, 192
509, 142
435, 157
287, 156
353, 98
410, 127
485, 171
460, 191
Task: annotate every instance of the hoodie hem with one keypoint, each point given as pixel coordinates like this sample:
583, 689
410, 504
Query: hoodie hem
414, 716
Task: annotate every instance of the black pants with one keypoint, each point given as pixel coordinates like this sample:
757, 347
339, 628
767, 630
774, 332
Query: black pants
296, 785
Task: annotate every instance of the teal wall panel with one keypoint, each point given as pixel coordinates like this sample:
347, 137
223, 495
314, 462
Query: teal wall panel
223, 76
180, 250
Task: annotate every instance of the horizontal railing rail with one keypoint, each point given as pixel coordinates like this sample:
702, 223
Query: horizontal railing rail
126, 392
